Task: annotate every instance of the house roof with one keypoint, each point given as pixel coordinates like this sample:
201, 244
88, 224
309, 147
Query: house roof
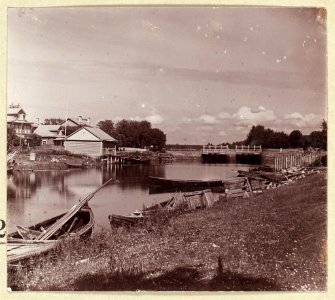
47, 130
83, 122
100, 134
96, 131
11, 118
70, 120
14, 110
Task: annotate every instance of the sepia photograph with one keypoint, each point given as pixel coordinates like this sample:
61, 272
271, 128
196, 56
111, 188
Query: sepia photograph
167, 148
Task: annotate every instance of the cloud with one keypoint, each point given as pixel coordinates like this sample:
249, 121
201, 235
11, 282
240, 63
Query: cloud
299, 120
208, 119
224, 115
222, 133
137, 118
205, 128
155, 119
186, 120
248, 116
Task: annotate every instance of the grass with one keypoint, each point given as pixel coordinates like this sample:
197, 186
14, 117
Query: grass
276, 241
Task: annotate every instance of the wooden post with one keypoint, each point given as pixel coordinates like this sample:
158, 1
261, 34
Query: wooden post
249, 186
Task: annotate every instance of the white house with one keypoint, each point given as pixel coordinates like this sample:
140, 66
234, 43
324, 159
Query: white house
91, 141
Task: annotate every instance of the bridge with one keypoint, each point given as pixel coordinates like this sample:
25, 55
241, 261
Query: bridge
221, 149
224, 154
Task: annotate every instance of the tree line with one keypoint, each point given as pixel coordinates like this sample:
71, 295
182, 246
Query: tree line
138, 134
268, 138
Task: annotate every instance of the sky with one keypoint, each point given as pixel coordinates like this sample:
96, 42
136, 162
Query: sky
200, 74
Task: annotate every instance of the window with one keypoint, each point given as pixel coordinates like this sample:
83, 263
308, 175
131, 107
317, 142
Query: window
44, 142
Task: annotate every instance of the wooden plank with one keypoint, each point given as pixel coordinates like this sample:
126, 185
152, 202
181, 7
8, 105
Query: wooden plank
250, 187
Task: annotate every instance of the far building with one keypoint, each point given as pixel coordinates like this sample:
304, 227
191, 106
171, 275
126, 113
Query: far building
54, 135
79, 121
16, 119
51, 134
91, 141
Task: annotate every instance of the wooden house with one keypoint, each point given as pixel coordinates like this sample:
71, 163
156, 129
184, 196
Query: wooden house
16, 119
50, 134
91, 141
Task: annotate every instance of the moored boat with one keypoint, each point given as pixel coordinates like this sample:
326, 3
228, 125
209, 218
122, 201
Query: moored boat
161, 184
137, 160
72, 165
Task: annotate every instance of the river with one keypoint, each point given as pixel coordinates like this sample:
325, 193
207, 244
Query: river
37, 196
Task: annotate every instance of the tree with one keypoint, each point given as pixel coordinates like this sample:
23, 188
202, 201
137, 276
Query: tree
316, 139
107, 126
266, 137
12, 139
295, 139
157, 139
35, 140
256, 136
139, 134
280, 140
70, 129
53, 121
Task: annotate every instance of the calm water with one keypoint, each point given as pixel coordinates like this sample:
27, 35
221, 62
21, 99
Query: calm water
37, 196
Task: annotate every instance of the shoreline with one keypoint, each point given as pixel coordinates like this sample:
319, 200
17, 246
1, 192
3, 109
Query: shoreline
274, 241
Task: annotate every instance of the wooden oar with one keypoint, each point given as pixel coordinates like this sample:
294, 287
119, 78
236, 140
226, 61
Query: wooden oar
73, 210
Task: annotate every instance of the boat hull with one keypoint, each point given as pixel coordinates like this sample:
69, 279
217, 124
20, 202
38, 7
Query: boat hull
127, 221
137, 161
20, 250
163, 185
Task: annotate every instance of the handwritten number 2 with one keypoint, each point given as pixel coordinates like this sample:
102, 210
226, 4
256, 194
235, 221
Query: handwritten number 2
2, 226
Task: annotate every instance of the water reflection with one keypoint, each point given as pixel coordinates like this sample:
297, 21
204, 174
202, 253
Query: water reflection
36, 196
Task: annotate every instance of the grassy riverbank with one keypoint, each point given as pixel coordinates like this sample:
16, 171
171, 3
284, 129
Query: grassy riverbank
275, 241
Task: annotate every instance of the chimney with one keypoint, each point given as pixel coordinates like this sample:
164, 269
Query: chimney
80, 119
38, 121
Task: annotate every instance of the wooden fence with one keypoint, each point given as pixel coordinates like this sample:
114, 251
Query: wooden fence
295, 160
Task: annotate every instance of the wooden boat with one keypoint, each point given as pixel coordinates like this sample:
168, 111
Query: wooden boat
129, 220
24, 243
72, 165
179, 183
185, 201
137, 160
138, 215
78, 221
